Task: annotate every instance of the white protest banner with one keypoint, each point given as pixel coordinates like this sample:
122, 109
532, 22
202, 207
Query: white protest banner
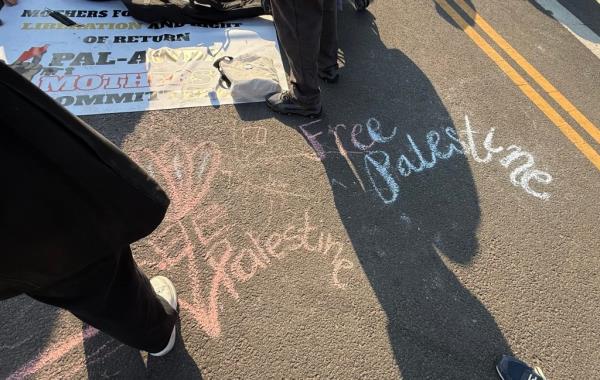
104, 65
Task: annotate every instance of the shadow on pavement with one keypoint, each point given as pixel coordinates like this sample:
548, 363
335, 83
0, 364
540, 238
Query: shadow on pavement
449, 19
437, 328
25, 328
108, 358
178, 364
114, 126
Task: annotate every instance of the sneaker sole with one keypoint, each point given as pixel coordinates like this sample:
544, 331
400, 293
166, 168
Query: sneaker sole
499, 374
170, 345
310, 115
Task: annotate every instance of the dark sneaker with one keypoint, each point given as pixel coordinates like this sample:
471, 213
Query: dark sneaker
285, 103
510, 368
330, 75
361, 5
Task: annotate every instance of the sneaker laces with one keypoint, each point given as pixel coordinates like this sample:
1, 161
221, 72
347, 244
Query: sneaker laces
287, 96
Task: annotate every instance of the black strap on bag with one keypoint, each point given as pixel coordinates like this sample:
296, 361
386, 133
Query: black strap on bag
223, 81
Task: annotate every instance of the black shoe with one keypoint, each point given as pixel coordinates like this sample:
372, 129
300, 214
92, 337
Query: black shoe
330, 75
285, 103
361, 5
510, 368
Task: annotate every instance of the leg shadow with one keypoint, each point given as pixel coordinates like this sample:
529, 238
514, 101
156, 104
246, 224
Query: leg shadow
108, 358
449, 19
178, 364
25, 328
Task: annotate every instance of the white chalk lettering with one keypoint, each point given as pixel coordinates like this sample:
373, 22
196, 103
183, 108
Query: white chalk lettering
382, 173
521, 175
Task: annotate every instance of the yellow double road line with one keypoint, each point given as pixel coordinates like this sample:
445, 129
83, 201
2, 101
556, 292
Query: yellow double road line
522, 84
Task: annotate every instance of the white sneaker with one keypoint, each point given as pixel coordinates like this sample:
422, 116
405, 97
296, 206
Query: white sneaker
163, 287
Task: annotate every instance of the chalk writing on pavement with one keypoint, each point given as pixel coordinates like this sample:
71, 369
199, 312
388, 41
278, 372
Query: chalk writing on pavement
197, 230
385, 171
197, 237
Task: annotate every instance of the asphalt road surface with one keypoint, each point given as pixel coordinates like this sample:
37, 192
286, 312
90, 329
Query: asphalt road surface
372, 243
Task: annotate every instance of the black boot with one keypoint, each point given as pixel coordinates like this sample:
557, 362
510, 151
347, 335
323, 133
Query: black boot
285, 103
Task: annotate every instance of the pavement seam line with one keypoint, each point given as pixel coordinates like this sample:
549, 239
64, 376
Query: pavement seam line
524, 86
559, 98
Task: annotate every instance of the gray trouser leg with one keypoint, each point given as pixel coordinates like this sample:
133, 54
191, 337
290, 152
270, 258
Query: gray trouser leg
299, 24
329, 37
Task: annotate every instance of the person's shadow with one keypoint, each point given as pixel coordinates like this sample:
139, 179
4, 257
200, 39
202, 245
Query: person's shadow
410, 224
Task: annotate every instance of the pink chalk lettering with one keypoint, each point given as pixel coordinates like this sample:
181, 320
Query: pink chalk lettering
206, 226
273, 242
256, 243
186, 173
52, 354
254, 135
312, 139
246, 255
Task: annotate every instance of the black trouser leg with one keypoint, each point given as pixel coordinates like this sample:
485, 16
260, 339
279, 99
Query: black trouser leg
329, 37
299, 24
115, 297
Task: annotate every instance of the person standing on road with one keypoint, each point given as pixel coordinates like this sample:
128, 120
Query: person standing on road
307, 31
71, 203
